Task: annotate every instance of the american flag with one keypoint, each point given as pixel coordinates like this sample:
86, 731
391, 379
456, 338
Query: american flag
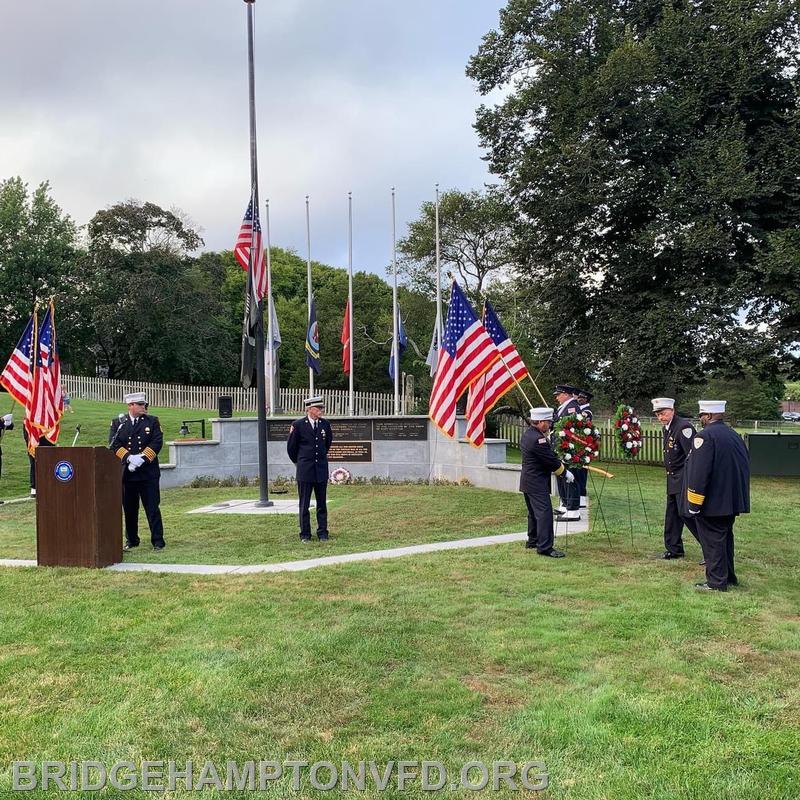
467, 352
16, 377
345, 339
493, 384
46, 406
250, 236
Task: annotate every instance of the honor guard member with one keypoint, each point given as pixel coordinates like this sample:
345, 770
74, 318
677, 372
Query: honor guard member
539, 462
582, 475
43, 442
717, 482
678, 436
310, 439
137, 443
569, 509
6, 424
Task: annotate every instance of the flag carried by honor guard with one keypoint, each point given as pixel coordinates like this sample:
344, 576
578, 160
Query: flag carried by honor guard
16, 377
312, 340
496, 381
47, 404
467, 352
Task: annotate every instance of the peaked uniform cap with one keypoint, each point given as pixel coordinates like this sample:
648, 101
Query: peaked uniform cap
540, 414
314, 402
660, 403
136, 397
712, 406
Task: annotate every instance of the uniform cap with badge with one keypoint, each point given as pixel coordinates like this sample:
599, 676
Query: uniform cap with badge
662, 403
139, 398
712, 406
541, 414
565, 388
314, 402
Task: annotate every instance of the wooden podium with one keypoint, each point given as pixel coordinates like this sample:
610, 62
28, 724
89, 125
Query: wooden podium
78, 507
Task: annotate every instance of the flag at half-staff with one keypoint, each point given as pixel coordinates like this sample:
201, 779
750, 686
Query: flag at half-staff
312, 339
402, 343
467, 352
345, 339
496, 381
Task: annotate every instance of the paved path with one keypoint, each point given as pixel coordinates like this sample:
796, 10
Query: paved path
310, 563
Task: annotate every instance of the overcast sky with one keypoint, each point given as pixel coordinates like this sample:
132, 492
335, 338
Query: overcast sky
148, 100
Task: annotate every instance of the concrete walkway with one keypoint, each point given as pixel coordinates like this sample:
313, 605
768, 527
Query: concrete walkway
311, 563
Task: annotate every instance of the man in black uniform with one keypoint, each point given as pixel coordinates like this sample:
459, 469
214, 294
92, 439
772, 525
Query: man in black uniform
309, 441
582, 475
539, 462
137, 443
678, 434
569, 509
717, 483
6, 424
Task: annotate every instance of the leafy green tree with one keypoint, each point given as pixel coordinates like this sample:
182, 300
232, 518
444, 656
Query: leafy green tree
37, 254
475, 241
650, 150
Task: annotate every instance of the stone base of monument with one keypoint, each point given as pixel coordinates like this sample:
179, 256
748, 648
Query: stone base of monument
251, 507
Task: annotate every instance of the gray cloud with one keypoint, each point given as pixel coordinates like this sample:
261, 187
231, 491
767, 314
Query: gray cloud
148, 99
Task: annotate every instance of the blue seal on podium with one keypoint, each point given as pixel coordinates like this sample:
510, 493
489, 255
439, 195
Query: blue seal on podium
64, 471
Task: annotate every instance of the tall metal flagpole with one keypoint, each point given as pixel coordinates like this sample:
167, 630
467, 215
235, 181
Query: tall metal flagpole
439, 331
395, 348
261, 400
308, 266
270, 332
351, 396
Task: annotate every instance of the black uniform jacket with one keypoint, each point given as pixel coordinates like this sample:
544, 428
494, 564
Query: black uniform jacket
146, 439
678, 437
539, 462
308, 448
717, 473
572, 407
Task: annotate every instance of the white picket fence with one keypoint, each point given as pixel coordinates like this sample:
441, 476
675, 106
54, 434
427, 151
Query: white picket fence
169, 395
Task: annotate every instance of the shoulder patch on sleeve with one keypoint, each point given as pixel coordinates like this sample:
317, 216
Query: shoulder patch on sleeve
687, 432
698, 441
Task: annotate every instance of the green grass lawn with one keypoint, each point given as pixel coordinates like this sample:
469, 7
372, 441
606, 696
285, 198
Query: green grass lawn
606, 665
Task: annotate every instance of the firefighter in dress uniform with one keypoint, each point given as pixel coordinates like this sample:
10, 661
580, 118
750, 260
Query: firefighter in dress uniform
582, 475
678, 435
309, 440
717, 490
539, 463
569, 509
137, 442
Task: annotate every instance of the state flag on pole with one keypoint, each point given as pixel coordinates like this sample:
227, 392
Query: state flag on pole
312, 340
496, 381
16, 377
467, 352
432, 359
402, 342
345, 339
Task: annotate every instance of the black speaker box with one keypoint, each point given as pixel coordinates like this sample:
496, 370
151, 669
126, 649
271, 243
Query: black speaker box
225, 406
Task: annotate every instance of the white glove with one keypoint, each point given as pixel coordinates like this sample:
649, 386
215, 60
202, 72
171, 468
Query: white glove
569, 477
8, 418
693, 513
135, 461
131, 468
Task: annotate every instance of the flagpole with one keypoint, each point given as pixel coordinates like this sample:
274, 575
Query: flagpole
270, 331
351, 396
308, 281
261, 400
395, 347
438, 276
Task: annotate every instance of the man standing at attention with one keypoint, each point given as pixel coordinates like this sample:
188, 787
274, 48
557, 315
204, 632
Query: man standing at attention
309, 441
539, 462
569, 509
137, 443
717, 482
678, 434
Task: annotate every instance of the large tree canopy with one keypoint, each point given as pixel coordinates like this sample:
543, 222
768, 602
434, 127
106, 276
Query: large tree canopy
652, 152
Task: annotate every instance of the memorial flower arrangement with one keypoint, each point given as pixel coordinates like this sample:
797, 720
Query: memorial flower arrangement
628, 431
576, 440
341, 475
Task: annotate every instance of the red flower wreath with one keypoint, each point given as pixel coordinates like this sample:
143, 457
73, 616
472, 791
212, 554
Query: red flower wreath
577, 441
628, 430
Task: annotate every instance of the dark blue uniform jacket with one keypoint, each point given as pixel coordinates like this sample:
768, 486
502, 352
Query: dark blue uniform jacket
308, 448
539, 462
146, 439
717, 473
678, 436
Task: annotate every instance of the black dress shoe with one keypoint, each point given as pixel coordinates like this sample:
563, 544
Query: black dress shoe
704, 587
553, 553
324, 537
529, 545
667, 555
159, 546
305, 539
128, 546
702, 563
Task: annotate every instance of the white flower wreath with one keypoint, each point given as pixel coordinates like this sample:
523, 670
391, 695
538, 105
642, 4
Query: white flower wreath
341, 475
